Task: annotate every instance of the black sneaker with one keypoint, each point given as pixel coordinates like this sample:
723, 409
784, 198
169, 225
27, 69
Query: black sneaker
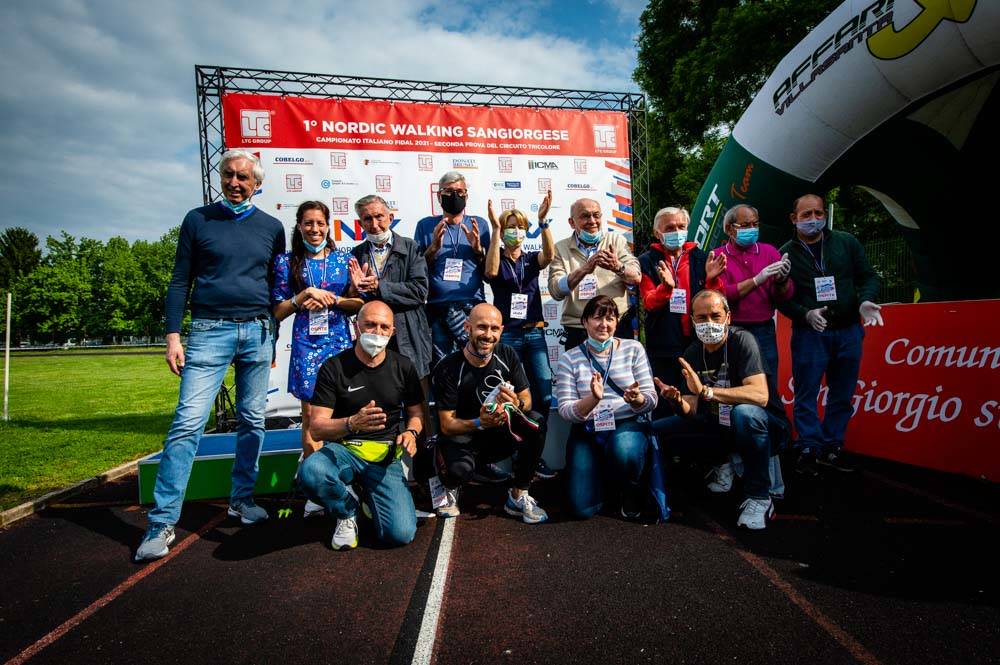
544, 471
835, 459
491, 474
806, 465
631, 503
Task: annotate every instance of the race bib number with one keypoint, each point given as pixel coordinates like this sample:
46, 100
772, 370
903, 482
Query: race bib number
519, 306
604, 419
453, 270
319, 321
587, 288
826, 289
439, 496
725, 414
679, 301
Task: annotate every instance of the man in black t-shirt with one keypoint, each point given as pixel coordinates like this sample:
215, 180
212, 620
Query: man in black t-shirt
367, 407
484, 409
724, 402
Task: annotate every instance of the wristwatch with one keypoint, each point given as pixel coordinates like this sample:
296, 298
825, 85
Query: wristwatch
707, 394
412, 431
295, 303
543, 225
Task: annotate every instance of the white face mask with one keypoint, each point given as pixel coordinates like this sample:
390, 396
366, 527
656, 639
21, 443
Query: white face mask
710, 333
380, 238
373, 344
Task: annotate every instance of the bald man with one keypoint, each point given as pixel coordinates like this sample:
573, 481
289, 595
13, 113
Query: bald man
593, 261
484, 410
367, 407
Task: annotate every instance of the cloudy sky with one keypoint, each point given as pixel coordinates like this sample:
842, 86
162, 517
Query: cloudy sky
98, 129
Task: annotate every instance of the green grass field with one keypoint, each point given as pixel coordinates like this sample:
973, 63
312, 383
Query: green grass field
75, 415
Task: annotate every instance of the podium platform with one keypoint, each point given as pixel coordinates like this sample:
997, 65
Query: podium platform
213, 465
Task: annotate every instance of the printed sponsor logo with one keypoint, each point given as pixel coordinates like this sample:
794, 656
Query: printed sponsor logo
281, 205
293, 182
425, 162
290, 159
340, 205
391, 205
506, 184
505, 164
383, 183
544, 185
338, 160
545, 166
255, 124
580, 187
605, 137
579, 166
373, 162
554, 352
464, 164
550, 311
325, 184
506, 204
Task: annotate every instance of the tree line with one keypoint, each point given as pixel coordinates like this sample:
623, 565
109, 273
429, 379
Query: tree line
85, 289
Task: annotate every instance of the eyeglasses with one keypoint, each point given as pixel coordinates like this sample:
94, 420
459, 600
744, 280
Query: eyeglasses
460, 193
590, 215
746, 225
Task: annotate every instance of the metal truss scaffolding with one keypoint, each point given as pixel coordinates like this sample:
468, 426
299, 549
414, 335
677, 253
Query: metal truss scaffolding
212, 82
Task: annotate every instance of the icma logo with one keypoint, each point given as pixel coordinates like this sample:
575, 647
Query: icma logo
339, 206
293, 182
338, 160
425, 162
383, 183
547, 166
605, 137
505, 164
255, 124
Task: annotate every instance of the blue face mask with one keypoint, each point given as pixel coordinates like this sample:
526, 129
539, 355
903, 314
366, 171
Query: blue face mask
747, 237
316, 249
674, 239
810, 227
237, 208
599, 346
589, 238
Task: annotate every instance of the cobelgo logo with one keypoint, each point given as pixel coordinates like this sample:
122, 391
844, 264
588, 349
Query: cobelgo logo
255, 124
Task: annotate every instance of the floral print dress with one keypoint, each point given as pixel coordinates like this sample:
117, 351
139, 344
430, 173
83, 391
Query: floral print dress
309, 352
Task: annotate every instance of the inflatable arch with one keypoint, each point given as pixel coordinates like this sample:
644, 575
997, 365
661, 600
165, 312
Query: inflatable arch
899, 97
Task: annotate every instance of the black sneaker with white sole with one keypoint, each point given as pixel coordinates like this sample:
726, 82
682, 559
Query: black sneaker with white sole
835, 459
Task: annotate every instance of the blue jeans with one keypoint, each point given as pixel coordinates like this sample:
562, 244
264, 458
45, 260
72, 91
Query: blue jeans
212, 346
326, 474
529, 343
768, 343
623, 459
447, 331
837, 354
747, 435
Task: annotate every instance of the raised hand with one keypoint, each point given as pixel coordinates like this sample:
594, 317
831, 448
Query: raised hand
691, 377
543, 207
715, 265
597, 386
494, 222
769, 271
472, 235
663, 272
633, 396
669, 393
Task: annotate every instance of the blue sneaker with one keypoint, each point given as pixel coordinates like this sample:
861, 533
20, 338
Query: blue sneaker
526, 508
248, 511
156, 543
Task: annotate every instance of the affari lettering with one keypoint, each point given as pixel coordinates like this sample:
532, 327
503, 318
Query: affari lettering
710, 211
874, 17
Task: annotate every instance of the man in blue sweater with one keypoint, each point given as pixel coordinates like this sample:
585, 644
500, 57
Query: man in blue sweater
224, 261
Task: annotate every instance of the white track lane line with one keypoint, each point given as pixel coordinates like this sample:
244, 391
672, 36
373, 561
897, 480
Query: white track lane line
432, 610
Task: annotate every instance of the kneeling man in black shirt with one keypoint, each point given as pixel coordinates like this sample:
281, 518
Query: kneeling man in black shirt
358, 409
484, 409
724, 402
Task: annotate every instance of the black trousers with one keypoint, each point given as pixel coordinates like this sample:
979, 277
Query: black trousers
459, 454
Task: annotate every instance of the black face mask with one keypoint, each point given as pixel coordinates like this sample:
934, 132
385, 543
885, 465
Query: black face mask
452, 203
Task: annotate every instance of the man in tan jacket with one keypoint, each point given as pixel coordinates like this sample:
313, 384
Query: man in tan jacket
591, 262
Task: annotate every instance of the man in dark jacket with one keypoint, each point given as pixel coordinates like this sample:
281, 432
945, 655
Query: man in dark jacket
390, 268
834, 283
673, 270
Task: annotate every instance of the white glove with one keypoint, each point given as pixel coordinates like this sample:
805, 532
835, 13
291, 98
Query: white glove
814, 318
786, 265
767, 273
871, 313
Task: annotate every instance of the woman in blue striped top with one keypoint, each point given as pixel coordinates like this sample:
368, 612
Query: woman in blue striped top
602, 387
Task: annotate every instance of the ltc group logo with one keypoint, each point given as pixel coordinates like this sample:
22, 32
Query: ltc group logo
340, 205
293, 182
383, 183
605, 137
255, 124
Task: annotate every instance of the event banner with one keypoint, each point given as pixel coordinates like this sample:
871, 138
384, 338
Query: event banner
338, 151
929, 389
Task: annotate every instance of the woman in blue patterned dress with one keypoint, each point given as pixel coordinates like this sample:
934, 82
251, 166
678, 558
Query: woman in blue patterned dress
310, 281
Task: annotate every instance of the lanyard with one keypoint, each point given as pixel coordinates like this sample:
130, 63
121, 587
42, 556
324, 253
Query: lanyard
821, 265
517, 275
309, 274
454, 239
597, 365
374, 264
723, 368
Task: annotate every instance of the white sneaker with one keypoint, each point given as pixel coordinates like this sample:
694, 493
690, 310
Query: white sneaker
450, 508
525, 507
754, 513
720, 479
313, 509
345, 536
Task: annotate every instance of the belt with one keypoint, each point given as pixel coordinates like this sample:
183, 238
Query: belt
246, 319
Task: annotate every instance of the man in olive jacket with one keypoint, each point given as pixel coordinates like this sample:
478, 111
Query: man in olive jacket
835, 289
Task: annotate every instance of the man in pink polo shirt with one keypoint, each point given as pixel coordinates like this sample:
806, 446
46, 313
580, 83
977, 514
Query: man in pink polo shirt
756, 280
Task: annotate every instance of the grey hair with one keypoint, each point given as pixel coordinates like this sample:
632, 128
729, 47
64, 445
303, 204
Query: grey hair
240, 153
368, 200
708, 293
450, 177
731, 214
671, 210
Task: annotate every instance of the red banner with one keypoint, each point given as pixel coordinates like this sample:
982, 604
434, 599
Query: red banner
254, 121
929, 389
